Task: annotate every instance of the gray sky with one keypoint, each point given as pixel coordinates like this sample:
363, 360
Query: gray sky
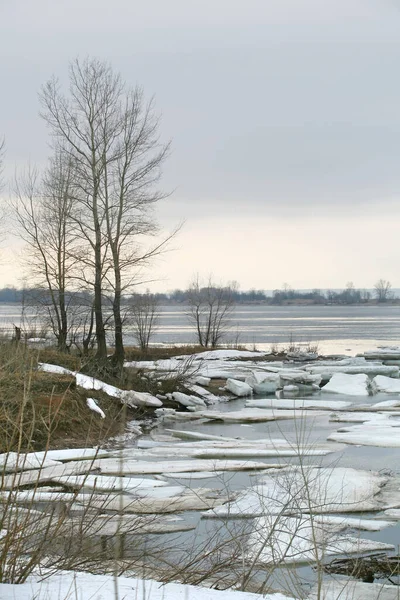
284, 117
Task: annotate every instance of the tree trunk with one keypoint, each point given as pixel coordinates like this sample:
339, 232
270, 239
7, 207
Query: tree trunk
119, 352
101, 353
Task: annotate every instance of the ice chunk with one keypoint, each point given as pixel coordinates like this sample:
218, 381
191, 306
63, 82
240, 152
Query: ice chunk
263, 383
298, 404
380, 383
135, 399
203, 380
281, 539
188, 401
253, 415
348, 385
327, 371
238, 388
12, 461
385, 434
316, 490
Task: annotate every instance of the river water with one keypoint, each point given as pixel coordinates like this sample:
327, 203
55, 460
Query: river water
335, 329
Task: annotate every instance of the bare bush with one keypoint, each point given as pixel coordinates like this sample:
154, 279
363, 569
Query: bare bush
210, 311
382, 290
144, 318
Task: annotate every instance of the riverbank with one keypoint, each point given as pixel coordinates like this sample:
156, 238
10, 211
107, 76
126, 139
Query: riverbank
293, 445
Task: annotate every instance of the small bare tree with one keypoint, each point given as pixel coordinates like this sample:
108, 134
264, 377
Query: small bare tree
2, 151
210, 310
382, 290
144, 316
42, 208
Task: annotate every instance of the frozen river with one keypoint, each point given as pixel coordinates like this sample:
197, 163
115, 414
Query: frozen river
344, 329
336, 329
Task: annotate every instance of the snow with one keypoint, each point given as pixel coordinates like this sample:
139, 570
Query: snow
348, 385
227, 354
238, 388
347, 589
54, 369
380, 383
92, 404
302, 539
91, 383
71, 585
298, 404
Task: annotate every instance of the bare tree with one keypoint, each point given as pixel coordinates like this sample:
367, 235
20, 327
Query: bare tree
2, 151
144, 316
42, 208
210, 310
110, 134
382, 290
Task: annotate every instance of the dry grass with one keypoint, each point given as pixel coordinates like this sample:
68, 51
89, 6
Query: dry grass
36, 406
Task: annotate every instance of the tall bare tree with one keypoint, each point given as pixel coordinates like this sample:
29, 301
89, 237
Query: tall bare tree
42, 208
110, 134
210, 311
382, 290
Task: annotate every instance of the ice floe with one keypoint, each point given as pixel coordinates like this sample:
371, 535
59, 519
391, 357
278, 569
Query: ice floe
189, 401
299, 404
13, 461
308, 489
383, 432
380, 383
326, 371
130, 467
348, 385
138, 399
108, 484
252, 415
304, 539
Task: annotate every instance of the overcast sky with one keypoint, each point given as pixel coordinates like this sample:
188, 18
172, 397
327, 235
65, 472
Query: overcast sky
284, 117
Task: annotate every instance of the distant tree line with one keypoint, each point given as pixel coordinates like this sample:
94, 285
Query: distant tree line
382, 292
